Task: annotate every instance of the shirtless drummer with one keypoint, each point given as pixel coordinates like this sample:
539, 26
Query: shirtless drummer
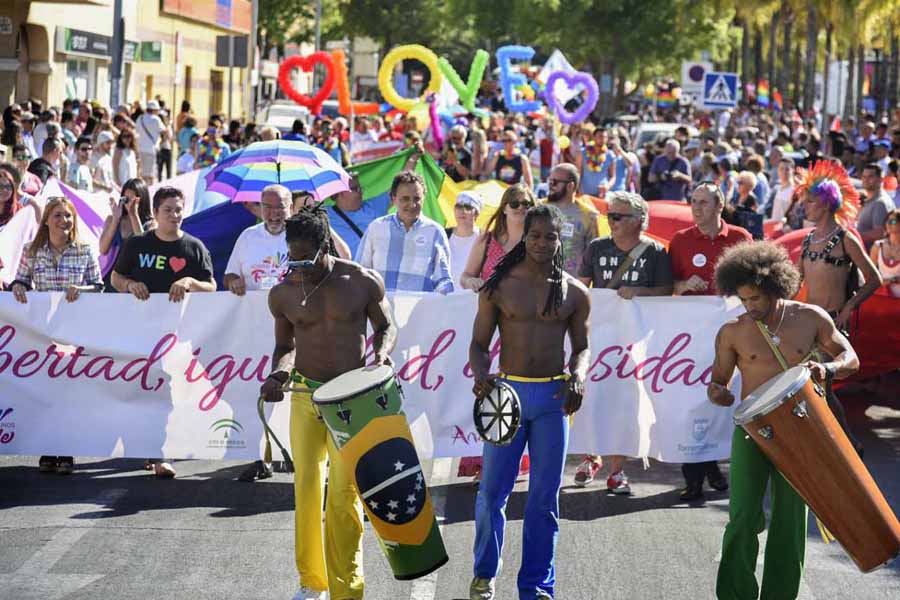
535, 304
762, 276
321, 310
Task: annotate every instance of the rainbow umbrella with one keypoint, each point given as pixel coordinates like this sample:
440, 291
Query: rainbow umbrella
296, 165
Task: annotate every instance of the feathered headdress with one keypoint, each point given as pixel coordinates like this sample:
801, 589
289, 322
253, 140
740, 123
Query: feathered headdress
829, 182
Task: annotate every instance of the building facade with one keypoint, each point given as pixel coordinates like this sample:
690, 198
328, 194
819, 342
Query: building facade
63, 49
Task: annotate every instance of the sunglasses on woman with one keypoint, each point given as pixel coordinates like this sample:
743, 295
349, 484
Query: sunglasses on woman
514, 204
889, 221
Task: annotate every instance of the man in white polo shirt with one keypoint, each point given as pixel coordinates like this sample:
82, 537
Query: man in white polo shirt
258, 262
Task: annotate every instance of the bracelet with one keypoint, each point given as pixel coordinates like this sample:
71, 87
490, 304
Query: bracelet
830, 369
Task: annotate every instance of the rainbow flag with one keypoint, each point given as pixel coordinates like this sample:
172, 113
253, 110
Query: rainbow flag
762, 93
777, 101
665, 99
375, 179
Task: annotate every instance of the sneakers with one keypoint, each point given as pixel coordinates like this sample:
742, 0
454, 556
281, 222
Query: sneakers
618, 483
587, 470
481, 589
306, 593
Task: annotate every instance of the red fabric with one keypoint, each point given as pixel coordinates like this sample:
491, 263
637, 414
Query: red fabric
693, 253
875, 335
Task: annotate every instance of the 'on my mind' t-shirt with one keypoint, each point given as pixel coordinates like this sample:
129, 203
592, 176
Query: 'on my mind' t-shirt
158, 264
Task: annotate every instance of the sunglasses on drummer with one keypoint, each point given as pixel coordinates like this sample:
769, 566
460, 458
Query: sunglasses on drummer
303, 264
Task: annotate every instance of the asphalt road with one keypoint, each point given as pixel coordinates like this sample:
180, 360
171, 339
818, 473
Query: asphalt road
112, 531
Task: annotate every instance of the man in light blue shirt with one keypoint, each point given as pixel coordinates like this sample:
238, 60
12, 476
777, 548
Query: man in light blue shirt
349, 216
409, 250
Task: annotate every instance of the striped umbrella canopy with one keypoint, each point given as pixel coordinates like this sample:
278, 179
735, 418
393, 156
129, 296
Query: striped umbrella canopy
295, 165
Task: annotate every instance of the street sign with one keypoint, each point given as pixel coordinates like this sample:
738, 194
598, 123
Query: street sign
720, 90
238, 50
692, 75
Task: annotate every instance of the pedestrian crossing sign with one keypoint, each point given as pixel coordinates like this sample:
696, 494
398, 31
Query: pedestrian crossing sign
720, 90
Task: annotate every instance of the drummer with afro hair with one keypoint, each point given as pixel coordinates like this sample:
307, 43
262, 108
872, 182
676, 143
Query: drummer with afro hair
535, 304
321, 311
773, 335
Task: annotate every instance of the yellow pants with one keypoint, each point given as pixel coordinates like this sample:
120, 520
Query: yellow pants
335, 562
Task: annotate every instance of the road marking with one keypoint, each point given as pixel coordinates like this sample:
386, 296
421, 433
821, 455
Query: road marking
33, 579
425, 588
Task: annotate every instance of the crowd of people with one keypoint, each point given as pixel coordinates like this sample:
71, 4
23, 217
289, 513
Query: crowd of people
747, 174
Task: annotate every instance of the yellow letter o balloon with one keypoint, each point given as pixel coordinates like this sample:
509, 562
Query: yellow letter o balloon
386, 85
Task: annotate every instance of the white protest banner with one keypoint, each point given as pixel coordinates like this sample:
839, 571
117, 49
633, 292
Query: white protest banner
112, 376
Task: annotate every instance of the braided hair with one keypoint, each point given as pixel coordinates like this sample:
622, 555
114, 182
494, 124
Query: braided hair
311, 223
517, 255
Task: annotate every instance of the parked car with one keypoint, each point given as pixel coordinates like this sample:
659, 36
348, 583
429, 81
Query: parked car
650, 132
282, 114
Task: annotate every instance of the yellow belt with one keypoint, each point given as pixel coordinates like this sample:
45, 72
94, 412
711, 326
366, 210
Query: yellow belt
533, 379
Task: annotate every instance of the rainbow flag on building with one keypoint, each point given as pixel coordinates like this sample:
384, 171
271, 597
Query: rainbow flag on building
762, 93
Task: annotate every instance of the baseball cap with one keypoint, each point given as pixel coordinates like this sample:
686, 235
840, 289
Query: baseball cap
692, 145
152, 105
470, 198
105, 136
27, 116
882, 144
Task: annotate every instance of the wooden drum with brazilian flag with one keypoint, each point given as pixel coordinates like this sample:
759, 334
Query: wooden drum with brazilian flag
363, 412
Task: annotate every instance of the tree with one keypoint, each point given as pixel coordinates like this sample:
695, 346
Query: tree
812, 36
394, 23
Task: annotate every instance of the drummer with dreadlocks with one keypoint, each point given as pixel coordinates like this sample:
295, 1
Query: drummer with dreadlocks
832, 258
321, 311
534, 303
773, 335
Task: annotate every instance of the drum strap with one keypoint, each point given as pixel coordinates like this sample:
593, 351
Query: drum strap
827, 536
775, 350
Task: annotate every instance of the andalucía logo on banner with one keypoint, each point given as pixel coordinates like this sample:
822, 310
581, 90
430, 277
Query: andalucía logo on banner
226, 434
7, 426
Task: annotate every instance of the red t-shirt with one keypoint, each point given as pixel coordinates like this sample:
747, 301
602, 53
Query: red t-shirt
693, 253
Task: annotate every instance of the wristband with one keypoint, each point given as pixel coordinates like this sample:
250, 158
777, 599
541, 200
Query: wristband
830, 370
281, 381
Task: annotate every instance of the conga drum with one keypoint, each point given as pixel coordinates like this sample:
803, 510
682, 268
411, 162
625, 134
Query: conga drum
790, 421
362, 410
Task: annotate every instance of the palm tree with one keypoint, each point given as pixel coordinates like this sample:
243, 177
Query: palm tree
812, 36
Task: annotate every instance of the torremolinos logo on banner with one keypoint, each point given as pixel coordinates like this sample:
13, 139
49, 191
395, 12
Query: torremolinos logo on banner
699, 433
226, 433
7, 426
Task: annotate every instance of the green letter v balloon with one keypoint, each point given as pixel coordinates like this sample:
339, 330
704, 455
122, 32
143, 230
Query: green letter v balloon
467, 91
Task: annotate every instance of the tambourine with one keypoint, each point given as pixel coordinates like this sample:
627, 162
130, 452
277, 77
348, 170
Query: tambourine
498, 414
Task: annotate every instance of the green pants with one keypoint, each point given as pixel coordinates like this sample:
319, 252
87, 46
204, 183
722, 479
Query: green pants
786, 544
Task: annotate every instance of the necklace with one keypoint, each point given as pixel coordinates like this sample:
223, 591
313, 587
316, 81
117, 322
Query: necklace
822, 239
318, 285
775, 338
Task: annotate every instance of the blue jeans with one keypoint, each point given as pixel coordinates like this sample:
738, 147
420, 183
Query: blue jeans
545, 429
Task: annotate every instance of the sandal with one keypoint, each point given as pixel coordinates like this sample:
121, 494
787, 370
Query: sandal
256, 470
47, 464
163, 470
65, 465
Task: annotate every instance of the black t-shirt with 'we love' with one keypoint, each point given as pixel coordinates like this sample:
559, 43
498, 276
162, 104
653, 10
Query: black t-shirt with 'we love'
158, 264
